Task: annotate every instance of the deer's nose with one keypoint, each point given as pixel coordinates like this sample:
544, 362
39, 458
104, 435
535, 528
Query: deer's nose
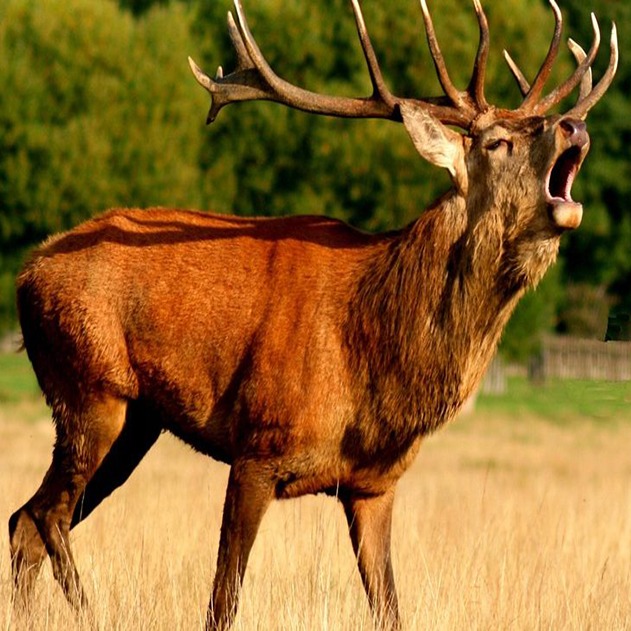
575, 130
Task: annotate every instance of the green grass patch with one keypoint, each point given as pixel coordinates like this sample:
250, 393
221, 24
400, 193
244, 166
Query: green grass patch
562, 401
17, 380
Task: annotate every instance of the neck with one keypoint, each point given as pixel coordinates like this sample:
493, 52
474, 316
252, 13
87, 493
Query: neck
429, 311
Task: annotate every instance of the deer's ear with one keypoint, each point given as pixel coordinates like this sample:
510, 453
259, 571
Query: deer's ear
436, 143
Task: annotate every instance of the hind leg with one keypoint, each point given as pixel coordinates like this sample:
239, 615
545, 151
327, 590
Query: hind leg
42, 525
139, 434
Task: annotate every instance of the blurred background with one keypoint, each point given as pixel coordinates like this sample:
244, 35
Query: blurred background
99, 109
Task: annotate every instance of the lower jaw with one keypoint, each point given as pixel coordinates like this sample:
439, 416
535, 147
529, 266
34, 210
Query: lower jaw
566, 215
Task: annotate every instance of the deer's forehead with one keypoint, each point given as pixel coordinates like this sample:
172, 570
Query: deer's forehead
526, 127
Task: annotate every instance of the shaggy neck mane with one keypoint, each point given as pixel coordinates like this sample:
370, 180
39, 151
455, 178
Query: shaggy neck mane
429, 311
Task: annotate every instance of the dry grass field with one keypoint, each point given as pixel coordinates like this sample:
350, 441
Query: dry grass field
506, 521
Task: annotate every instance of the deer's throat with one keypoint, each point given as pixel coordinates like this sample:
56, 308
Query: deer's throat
428, 314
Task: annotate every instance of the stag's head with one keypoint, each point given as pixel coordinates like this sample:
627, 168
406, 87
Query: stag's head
522, 161
517, 165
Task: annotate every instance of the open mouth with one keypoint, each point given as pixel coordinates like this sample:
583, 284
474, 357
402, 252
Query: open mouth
562, 175
564, 211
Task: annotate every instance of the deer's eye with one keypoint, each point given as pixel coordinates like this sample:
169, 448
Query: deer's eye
500, 142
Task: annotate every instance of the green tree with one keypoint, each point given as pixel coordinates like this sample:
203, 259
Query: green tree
94, 113
139, 7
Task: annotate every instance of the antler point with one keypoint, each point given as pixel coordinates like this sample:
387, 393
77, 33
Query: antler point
596, 29
239, 9
202, 78
197, 71
614, 45
576, 48
555, 6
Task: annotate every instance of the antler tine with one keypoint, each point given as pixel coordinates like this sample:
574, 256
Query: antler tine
244, 60
243, 92
476, 86
565, 88
587, 102
522, 82
544, 72
586, 81
254, 53
379, 87
448, 87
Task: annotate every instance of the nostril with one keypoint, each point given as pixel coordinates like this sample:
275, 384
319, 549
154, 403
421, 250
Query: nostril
573, 126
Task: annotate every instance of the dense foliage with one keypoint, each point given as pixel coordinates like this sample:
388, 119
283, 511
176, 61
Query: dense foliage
98, 109
94, 112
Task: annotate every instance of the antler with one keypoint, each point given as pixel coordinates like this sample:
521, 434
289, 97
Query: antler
254, 79
588, 96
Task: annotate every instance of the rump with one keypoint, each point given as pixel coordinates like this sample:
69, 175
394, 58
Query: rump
72, 333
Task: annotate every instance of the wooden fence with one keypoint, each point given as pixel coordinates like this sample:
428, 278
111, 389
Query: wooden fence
562, 358
570, 358
495, 379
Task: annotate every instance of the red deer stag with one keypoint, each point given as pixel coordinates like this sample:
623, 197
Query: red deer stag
309, 356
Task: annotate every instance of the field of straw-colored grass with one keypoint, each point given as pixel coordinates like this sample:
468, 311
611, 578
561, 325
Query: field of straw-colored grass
502, 523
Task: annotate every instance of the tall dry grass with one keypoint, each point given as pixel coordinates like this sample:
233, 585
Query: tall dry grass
502, 523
